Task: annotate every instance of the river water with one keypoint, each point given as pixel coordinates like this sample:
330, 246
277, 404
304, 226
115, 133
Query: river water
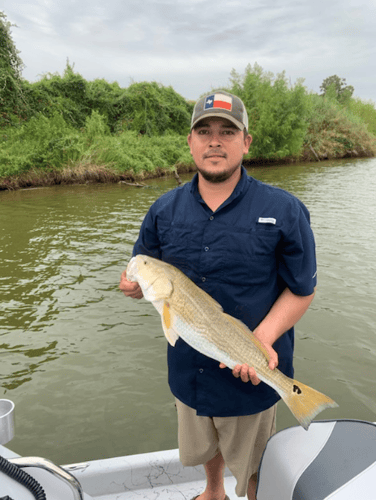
86, 367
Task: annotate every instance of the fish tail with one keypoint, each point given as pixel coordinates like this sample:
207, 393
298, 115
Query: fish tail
305, 403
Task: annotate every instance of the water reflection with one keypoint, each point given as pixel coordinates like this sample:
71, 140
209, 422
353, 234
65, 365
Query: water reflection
19, 377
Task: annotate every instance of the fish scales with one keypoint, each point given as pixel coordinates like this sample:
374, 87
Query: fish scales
208, 323
189, 312
211, 324
208, 320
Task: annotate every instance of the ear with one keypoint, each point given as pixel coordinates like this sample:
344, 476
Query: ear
189, 140
247, 143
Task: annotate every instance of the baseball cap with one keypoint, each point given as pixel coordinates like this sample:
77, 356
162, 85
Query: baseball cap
222, 104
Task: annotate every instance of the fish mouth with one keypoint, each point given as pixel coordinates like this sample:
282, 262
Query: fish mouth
135, 274
132, 270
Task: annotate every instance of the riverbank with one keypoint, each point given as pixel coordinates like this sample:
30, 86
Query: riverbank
100, 174
93, 173
131, 159
88, 174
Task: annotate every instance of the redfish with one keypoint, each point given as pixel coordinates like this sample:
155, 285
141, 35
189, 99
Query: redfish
189, 312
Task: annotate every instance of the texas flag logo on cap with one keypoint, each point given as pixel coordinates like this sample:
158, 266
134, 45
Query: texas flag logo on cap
220, 101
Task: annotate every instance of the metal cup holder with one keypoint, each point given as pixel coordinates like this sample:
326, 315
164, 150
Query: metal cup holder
6, 421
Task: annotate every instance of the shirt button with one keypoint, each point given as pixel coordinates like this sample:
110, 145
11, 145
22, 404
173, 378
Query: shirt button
201, 370
206, 249
211, 217
203, 279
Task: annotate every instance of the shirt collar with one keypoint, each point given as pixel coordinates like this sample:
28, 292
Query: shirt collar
240, 188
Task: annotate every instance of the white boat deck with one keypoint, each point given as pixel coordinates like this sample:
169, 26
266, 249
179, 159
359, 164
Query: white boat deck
151, 476
148, 476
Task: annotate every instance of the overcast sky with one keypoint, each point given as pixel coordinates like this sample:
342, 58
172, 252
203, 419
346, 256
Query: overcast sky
192, 45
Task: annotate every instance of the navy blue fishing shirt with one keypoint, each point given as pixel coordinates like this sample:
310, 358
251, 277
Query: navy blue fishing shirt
257, 243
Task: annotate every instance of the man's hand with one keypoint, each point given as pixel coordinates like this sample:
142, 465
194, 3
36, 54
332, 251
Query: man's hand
285, 312
248, 373
130, 288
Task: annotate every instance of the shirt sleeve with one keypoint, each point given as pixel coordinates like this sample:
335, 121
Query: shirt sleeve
297, 258
148, 242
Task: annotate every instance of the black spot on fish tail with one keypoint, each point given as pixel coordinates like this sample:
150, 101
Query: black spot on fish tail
297, 389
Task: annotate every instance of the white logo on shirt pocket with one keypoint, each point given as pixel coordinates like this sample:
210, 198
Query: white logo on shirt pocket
267, 220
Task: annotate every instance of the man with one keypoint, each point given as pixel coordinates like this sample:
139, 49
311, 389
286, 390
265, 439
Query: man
250, 246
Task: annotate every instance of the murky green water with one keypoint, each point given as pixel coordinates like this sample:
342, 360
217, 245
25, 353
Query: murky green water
86, 367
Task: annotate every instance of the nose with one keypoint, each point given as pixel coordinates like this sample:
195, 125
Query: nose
215, 140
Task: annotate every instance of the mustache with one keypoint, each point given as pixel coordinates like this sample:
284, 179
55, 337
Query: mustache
214, 152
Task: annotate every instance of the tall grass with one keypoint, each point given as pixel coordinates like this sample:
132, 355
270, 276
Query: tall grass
366, 111
46, 147
334, 131
132, 152
41, 142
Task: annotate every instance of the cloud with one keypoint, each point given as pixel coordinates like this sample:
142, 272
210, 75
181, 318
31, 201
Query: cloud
194, 45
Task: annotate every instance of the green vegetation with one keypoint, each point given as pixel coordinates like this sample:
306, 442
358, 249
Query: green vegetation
289, 123
146, 108
12, 101
336, 88
336, 131
365, 110
48, 150
277, 112
63, 128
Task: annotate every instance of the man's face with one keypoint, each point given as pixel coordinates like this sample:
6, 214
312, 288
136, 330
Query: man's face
217, 147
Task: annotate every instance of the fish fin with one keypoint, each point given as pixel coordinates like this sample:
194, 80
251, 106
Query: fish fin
304, 402
169, 332
237, 322
160, 289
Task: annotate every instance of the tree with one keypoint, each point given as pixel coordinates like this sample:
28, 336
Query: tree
11, 92
276, 111
336, 88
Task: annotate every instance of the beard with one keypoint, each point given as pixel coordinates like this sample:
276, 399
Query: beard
217, 177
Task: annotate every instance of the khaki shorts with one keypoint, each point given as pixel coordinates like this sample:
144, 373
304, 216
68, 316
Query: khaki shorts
241, 440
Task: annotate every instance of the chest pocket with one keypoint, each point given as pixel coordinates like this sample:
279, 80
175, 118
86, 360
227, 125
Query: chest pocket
176, 242
251, 255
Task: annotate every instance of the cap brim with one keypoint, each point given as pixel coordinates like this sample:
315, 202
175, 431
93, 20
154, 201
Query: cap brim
219, 114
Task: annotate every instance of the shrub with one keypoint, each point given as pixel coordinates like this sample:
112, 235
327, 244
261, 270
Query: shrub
96, 127
152, 109
334, 131
42, 142
65, 95
277, 112
139, 153
12, 101
366, 111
